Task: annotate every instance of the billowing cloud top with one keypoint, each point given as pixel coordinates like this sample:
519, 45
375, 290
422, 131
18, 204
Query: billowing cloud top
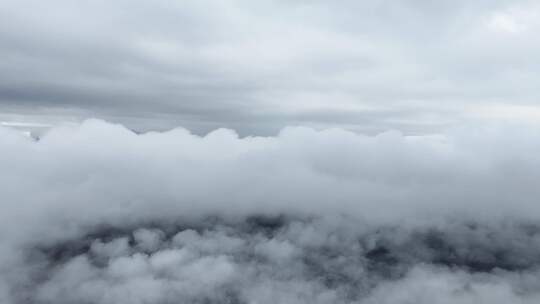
95, 213
364, 65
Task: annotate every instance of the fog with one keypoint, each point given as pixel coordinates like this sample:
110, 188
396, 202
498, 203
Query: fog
95, 213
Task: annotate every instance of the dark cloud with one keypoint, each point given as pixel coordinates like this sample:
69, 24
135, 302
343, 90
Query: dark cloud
298, 260
225, 63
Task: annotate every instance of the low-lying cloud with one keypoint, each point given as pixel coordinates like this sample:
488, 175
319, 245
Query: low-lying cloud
94, 213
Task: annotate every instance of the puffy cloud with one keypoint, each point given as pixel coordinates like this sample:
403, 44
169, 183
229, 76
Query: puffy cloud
95, 213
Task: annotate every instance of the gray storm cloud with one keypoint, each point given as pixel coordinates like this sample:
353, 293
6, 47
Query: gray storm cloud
95, 213
412, 65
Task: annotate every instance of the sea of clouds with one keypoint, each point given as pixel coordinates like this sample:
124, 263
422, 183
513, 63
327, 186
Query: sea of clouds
95, 213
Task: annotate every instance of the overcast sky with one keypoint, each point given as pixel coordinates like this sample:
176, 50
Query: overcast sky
396, 157
257, 66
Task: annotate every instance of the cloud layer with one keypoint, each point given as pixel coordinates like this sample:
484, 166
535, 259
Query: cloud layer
94, 213
372, 65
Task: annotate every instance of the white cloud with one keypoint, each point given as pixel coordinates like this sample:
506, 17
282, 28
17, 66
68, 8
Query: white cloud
506, 22
96, 213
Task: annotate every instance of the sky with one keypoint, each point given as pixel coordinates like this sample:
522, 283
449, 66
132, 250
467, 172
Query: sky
261, 152
368, 66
